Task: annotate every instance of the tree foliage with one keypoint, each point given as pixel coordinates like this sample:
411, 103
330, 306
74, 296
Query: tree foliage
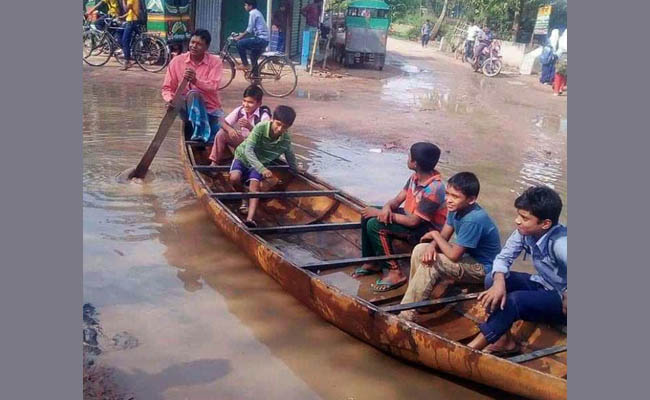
509, 19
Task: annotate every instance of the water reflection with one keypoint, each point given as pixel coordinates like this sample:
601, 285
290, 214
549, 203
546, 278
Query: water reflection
544, 160
446, 101
318, 95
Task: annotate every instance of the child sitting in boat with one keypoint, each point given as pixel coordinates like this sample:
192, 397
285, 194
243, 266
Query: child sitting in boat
424, 210
468, 259
239, 123
516, 295
266, 142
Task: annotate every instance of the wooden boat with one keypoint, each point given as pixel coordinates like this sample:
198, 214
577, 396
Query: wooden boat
308, 240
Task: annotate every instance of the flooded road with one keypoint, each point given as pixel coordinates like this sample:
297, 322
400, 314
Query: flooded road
185, 315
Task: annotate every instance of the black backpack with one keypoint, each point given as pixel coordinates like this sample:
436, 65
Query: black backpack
256, 119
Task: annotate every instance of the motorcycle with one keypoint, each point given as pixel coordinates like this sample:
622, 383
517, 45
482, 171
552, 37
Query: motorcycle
489, 61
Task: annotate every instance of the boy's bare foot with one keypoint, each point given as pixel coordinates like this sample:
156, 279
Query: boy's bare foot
505, 345
409, 315
213, 164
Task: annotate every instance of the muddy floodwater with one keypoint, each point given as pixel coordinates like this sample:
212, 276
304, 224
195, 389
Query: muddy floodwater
181, 313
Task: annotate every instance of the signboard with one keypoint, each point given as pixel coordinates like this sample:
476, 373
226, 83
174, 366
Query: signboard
543, 18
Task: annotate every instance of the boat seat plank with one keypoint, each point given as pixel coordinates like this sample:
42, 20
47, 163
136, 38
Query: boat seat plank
270, 195
386, 301
533, 355
427, 303
222, 168
305, 228
335, 264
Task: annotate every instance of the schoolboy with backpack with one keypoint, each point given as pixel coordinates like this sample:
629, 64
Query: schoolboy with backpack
239, 123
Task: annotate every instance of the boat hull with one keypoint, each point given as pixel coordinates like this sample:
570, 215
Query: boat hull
367, 322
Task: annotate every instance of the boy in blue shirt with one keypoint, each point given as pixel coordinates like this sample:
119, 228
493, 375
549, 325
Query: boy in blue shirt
516, 296
468, 259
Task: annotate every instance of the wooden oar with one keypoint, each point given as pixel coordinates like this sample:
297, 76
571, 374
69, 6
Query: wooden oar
143, 166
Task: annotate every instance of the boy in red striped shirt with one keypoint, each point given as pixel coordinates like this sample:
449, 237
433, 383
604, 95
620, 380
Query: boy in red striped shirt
424, 210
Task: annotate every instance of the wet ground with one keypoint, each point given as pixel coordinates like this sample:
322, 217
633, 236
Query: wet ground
181, 313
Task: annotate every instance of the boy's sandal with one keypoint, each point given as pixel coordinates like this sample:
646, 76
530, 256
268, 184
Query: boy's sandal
384, 286
243, 209
250, 224
365, 271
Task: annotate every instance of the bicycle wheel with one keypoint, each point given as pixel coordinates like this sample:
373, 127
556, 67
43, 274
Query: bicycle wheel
151, 54
119, 55
228, 73
97, 48
277, 76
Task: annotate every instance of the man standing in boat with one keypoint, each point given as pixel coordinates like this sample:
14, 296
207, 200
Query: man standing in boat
202, 105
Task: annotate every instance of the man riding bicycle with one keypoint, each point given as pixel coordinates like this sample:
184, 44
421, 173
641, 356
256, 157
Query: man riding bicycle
256, 44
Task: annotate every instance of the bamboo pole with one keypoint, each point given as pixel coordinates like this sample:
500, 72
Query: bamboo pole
313, 52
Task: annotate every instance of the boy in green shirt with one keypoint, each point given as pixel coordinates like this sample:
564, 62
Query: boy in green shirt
265, 144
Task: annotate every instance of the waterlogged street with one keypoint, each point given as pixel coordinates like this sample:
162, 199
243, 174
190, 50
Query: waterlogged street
181, 313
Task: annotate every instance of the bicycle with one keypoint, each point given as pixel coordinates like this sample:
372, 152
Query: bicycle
277, 75
149, 51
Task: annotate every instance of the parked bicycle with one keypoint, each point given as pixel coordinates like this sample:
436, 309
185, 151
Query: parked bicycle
149, 51
277, 76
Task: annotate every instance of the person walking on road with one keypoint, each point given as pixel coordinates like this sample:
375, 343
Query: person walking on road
426, 33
